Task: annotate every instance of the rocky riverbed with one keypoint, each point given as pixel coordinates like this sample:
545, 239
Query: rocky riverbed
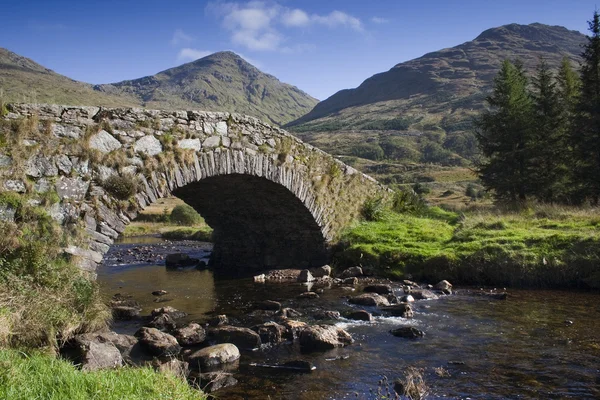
336, 336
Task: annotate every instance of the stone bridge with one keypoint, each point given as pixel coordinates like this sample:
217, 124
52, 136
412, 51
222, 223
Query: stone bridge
272, 200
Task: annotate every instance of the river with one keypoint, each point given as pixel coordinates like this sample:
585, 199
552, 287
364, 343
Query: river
536, 344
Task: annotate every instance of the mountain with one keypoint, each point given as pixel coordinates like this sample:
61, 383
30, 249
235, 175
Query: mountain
218, 82
435, 95
23, 80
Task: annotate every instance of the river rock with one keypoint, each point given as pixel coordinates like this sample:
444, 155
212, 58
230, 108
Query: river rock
190, 335
170, 311
410, 283
359, 315
323, 337
305, 276
218, 320
278, 275
352, 272
350, 281
423, 294
407, 298
128, 346
327, 315
180, 260
268, 305
443, 285
159, 293
94, 352
409, 332
370, 299
212, 381
378, 288
124, 313
158, 343
321, 272
293, 328
270, 332
125, 309
403, 310
289, 313
213, 356
162, 322
242, 337
308, 295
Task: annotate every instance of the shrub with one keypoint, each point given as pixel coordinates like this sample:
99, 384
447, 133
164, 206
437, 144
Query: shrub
122, 187
185, 215
373, 209
419, 188
370, 151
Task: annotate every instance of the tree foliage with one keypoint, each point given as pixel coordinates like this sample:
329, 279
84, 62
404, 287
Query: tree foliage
504, 132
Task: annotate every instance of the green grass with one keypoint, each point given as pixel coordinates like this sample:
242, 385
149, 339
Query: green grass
203, 234
543, 246
39, 376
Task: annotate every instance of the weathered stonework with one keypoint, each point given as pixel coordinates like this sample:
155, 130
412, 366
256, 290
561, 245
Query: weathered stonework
272, 200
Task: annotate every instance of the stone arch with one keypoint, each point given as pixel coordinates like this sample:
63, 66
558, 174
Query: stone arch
190, 153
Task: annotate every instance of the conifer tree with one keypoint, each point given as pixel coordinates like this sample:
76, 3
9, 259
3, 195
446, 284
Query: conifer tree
504, 132
548, 141
586, 127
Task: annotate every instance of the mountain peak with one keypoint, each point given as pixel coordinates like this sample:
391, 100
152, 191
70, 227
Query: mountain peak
534, 32
447, 81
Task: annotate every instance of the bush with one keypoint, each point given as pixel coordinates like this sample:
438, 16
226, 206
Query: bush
373, 209
122, 187
185, 215
419, 188
370, 151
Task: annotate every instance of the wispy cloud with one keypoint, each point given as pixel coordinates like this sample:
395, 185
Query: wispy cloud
338, 18
188, 54
257, 25
379, 20
180, 38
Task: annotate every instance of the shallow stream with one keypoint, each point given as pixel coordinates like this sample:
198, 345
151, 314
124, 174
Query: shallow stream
537, 344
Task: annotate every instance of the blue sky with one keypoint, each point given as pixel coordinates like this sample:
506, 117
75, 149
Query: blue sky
319, 46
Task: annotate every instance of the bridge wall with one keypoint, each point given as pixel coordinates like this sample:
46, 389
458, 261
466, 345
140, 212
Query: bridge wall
272, 199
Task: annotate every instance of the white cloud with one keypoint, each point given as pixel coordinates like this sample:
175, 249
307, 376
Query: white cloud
180, 37
254, 40
379, 20
338, 18
256, 25
188, 54
295, 17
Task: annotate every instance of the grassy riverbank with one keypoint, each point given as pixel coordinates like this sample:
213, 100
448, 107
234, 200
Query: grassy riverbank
34, 375
44, 300
155, 219
540, 246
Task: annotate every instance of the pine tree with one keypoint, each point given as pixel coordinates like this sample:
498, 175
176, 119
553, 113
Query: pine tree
504, 132
586, 128
567, 88
548, 141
